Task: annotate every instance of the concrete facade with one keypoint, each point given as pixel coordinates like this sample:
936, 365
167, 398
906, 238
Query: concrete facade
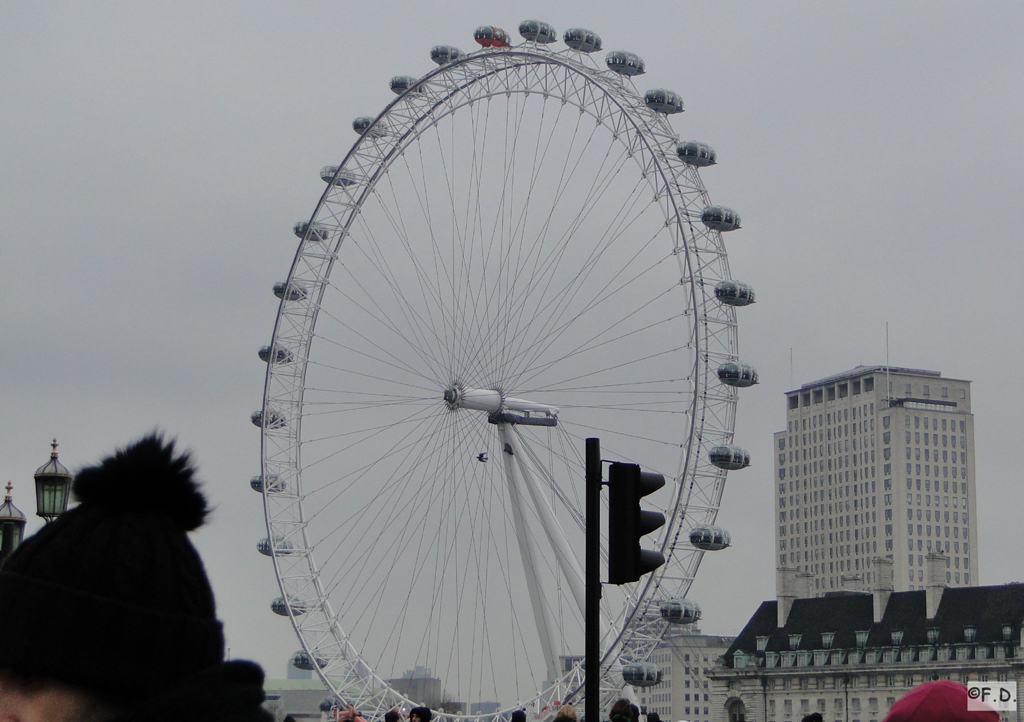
876, 461
685, 658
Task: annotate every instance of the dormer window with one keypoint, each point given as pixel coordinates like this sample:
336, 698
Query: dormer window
1007, 631
970, 631
862, 639
762, 643
897, 637
794, 640
933, 635
826, 639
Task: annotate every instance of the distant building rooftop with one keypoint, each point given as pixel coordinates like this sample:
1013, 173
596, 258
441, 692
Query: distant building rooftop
988, 610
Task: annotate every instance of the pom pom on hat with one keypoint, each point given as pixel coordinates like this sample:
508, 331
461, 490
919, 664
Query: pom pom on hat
146, 476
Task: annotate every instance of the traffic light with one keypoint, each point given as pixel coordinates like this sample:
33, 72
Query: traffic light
627, 523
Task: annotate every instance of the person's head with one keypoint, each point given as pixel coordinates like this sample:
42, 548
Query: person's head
109, 604
942, 701
813, 717
392, 715
37, 700
519, 716
653, 717
566, 712
420, 714
620, 711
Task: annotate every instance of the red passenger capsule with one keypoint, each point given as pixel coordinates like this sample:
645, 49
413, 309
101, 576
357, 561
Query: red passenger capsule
491, 37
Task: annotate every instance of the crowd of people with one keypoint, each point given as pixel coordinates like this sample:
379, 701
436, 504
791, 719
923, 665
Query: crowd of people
109, 615
939, 701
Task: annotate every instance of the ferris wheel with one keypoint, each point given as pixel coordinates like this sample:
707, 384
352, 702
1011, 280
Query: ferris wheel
516, 254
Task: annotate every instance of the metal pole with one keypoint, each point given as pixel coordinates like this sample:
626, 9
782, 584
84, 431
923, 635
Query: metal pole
592, 650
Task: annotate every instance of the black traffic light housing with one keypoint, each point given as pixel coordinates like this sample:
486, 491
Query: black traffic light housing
627, 523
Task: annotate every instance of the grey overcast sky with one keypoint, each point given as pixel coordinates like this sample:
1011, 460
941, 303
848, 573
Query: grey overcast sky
154, 156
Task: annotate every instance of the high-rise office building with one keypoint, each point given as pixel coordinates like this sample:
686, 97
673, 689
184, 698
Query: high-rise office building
876, 462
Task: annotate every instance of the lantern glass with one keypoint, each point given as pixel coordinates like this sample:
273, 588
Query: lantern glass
11, 532
52, 496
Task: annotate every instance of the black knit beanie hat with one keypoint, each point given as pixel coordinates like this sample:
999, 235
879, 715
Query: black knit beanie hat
111, 596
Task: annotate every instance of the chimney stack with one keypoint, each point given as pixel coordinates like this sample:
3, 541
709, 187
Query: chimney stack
804, 584
935, 582
786, 590
884, 586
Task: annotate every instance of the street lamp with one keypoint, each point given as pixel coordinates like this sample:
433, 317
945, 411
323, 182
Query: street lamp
53, 486
12, 525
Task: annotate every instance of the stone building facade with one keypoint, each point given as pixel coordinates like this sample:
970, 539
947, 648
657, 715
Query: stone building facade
850, 655
685, 658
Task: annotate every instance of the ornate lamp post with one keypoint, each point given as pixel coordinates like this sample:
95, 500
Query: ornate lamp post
12, 525
53, 486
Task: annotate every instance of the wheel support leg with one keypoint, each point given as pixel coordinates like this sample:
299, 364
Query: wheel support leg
528, 551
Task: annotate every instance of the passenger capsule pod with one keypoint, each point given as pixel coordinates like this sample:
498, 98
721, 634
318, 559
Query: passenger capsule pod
318, 234
279, 356
329, 174
442, 54
734, 293
328, 704
624, 63
729, 457
710, 538
641, 674
274, 484
289, 293
736, 374
282, 547
404, 84
585, 41
680, 611
693, 152
663, 101
720, 218
299, 607
362, 125
303, 660
274, 420
537, 32
489, 36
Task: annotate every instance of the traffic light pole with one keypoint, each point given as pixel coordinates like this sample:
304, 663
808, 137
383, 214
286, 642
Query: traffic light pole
592, 647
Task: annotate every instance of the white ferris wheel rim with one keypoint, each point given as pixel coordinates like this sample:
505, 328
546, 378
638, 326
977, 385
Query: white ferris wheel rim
702, 261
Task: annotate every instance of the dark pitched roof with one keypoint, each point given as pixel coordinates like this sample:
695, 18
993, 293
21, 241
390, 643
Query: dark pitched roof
761, 624
989, 609
843, 615
906, 612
